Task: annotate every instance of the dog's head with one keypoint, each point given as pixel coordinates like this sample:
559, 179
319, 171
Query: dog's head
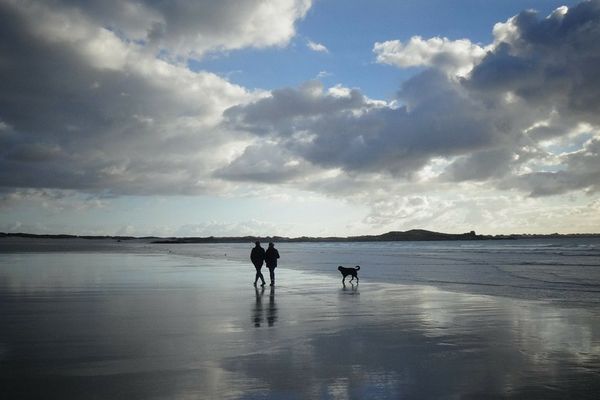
340, 268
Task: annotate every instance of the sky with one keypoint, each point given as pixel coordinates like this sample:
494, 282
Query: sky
299, 117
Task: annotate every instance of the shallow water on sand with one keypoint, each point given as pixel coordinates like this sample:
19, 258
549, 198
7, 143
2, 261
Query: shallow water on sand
562, 270
99, 325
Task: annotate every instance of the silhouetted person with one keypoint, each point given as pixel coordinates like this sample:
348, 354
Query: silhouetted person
257, 256
271, 256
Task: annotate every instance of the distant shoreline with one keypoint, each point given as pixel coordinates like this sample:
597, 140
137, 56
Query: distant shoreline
394, 236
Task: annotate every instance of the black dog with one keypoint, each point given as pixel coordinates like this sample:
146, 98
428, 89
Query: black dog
349, 271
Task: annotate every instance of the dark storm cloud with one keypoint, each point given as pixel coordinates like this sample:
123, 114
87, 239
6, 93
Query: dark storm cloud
537, 82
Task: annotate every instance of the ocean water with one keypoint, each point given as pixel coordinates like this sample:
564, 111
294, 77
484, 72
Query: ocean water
561, 270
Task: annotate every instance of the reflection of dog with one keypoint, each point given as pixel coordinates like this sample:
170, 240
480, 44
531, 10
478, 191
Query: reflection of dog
349, 271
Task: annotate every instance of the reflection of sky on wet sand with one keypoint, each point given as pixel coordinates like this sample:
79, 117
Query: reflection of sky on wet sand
126, 326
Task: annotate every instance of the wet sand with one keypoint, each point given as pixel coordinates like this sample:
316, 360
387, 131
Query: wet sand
131, 326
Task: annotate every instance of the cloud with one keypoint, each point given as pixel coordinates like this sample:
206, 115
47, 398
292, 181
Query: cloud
318, 47
51, 200
480, 166
242, 228
323, 74
534, 83
351, 132
581, 170
265, 163
456, 57
549, 62
186, 28
77, 116
96, 97
283, 106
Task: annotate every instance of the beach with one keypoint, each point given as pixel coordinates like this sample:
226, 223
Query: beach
141, 322
446, 154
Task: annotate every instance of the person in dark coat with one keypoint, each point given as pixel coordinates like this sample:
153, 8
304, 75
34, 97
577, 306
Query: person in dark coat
257, 256
271, 256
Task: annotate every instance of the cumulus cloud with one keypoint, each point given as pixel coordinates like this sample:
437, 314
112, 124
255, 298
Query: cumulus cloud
352, 133
266, 163
456, 57
578, 170
83, 109
97, 97
534, 83
52, 200
295, 105
480, 166
242, 228
187, 27
318, 47
549, 62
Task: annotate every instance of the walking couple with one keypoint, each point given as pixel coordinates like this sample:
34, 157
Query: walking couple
258, 255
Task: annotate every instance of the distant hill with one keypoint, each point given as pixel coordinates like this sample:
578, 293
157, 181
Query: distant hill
393, 236
417, 234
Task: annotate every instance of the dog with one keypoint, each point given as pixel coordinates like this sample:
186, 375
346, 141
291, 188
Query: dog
349, 271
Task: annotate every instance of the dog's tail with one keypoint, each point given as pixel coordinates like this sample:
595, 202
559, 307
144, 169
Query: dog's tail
357, 267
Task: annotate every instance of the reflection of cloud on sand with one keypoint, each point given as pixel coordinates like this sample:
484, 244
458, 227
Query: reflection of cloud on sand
179, 327
537, 328
551, 329
422, 342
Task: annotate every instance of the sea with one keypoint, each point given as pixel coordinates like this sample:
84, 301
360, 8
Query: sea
564, 270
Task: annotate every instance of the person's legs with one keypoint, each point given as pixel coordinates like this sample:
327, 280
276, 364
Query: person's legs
259, 275
272, 275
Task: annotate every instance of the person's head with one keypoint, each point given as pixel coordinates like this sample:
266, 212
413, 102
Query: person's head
257, 243
271, 244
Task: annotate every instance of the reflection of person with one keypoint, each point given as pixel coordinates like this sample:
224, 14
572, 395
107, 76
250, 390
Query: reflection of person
272, 310
271, 256
257, 256
258, 311
258, 316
